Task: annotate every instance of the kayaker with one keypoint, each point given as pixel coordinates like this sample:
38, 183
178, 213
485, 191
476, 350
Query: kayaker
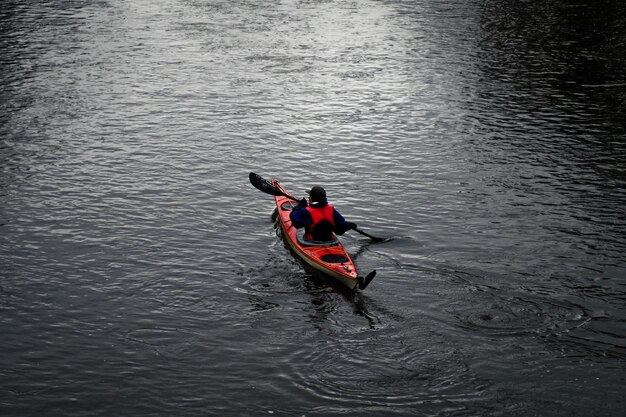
319, 218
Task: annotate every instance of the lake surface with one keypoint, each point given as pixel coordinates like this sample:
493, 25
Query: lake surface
140, 272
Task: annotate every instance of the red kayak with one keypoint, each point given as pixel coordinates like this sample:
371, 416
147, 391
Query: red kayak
328, 257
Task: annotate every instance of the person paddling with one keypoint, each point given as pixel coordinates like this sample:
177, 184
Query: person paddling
319, 218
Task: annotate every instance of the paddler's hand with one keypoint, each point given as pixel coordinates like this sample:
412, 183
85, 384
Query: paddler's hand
302, 203
351, 225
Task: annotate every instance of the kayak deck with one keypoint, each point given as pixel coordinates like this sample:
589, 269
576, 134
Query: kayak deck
330, 258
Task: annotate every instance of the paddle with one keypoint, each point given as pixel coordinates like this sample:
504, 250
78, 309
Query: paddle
267, 187
374, 238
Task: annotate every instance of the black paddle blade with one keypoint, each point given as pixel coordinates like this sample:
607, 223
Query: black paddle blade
378, 239
364, 282
374, 238
264, 185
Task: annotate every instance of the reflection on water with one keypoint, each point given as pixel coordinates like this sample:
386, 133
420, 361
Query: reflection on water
485, 139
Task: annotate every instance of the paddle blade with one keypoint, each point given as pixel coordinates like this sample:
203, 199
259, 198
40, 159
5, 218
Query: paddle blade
264, 185
374, 238
364, 282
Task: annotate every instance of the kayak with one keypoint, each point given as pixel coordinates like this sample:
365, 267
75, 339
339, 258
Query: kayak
329, 257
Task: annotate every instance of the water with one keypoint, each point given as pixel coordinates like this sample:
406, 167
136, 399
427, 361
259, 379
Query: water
140, 273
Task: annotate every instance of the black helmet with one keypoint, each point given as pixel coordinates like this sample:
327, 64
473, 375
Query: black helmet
317, 194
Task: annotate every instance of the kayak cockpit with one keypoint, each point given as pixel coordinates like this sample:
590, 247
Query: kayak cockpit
306, 242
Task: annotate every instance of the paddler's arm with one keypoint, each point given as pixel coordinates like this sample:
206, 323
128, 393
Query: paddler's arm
300, 217
341, 225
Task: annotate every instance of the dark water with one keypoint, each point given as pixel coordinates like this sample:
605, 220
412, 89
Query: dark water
140, 273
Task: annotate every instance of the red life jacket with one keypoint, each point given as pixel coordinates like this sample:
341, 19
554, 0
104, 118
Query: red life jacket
318, 214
